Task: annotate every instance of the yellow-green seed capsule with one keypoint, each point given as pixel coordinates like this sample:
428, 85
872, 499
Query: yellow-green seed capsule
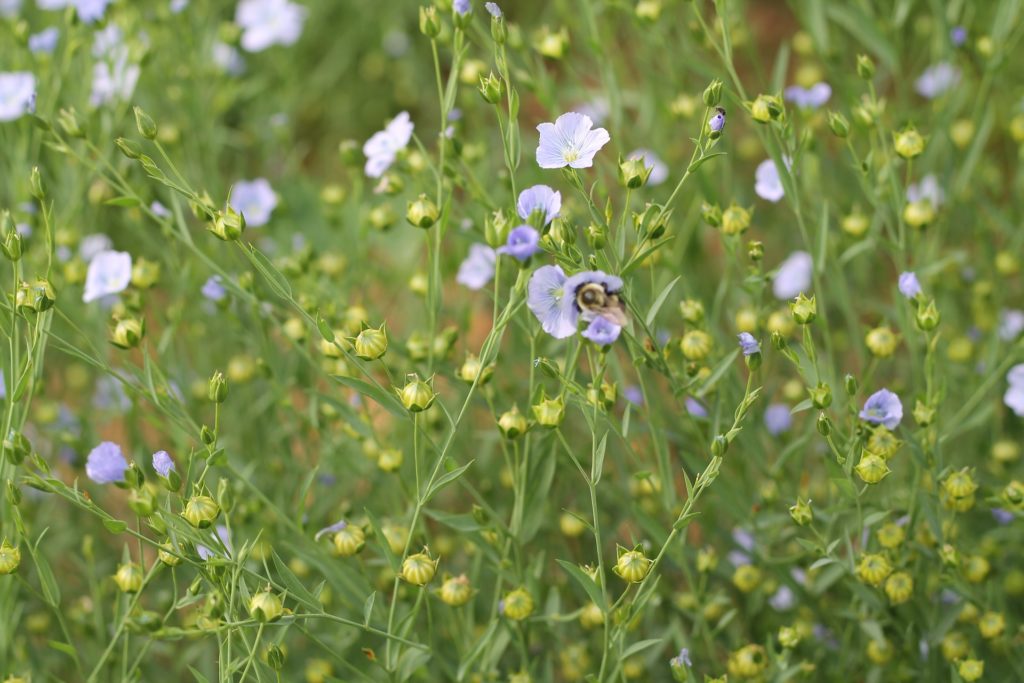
591, 616
960, 484
765, 108
472, 370
883, 442
128, 332
632, 565
879, 651
571, 525
789, 637
908, 143
36, 296
549, 412
971, 669
517, 604
390, 459
991, 625
748, 662
1005, 451
10, 558
1012, 495
692, 311
872, 468
512, 423
954, 646
707, 560
456, 591
396, 537
422, 212
145, 273
919, 214
265, 607
855, 224
416, 395
881, 342
696, 345
129, 578
746, 578
167, 556
735, 220
804, 309
419, 569
873, 569
891, 535
899, 587
201, 511
801, 512
349, 541
371, 343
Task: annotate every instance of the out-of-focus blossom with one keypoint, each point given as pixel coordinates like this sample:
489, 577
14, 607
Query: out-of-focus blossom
94, 244
570, 141
748, 344
17, 94
1011, 324
224, 535
523, 242
227, 59
44, 42
597, 109
266, 23
9, 8
777, 418
477, 269
634, 395
909, 285
213, 289
1014, 396
462, 6
114, 80
163, 464
936, 80
602, 331
783, 599
88, 11
793, 276
493, 9
383, 147
767, 183
106, 463
109, 272
927, 189
255, 200
809, 98
695, 407
178, 6
958, 36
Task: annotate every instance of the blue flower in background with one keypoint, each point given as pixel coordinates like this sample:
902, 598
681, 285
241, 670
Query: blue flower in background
478, 268
571, 141
793, 276
958, 36
255, 200
493, 9
909, 285
266, 23
809, 98
883, 407
523, 242
936, 80
109, 272
213, 288
383, 147
17, 94
44, 42
659, 169
106, 463
777, 418
462, 7
539, 198
767, 183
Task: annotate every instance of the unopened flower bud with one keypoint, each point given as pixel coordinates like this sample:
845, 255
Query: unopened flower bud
633, 173
491, 88
145, 273
517, 604
227, 225
908, 143
821, 396
872, 468
11, 245
145, 124
201, 511
713, 93
804, 309
927, 315
865, 67
632, 565
839, 125
824, 424
512, 423
349, 541
371, 343
422, 212
735, 220
36, 296
419, 569
873, 569
549, 412
218, 388
430, 22
416, 395
129, 148
801, 512
10, 558
456, 591
711, 213
128, 332
765, 108
129, 578
265, 607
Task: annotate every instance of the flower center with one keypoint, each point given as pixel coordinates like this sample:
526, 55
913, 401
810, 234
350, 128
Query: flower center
571, 154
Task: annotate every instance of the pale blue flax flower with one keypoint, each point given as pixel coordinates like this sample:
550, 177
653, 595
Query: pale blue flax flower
44, 42
539, 198
114, 79
493, 9
255, 200
717, 121
681, 660
777, 419
748, 344
462, 7
110, 272
1014, 396
927, 188
883, 407
767, 182
17, 94
106, 463
936, 80
383, 147
813, 97
1011, 324
695, 407
523, 242
547, 300
570, 141
332, 529
266, 23
793, 276
213, 289
602, 331
163, 464
909, 285
225, 538
958, 36
478, 267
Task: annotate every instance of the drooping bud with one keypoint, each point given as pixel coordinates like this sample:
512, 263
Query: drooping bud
422, 212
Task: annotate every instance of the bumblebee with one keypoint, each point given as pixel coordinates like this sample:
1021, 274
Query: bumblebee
594, 300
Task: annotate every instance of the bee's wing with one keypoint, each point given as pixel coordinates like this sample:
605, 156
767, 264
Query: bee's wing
615, 312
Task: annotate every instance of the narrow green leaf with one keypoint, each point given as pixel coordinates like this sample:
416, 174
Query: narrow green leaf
592, 589
660, 301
